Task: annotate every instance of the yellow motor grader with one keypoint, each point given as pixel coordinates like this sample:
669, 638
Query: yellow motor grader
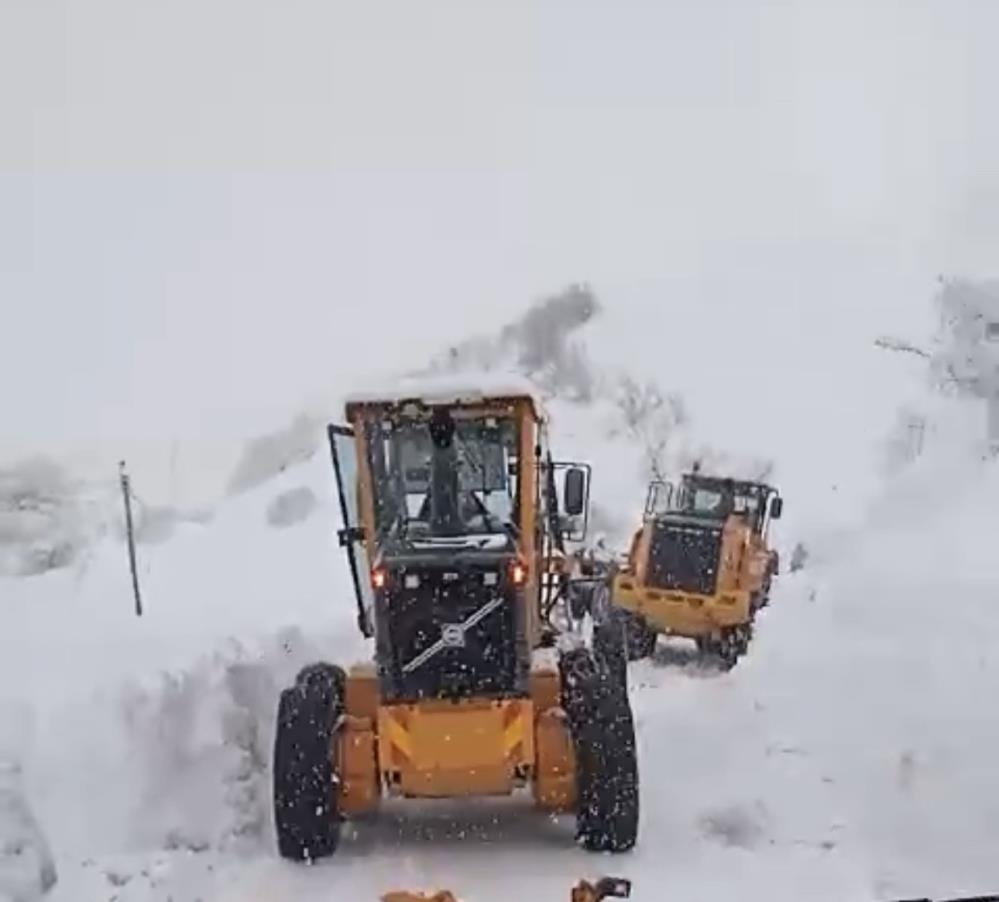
455, 522
700, 566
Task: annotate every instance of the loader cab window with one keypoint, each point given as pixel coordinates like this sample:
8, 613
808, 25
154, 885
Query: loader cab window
747, 505
712, 499
705, 502
719, 500
445, 478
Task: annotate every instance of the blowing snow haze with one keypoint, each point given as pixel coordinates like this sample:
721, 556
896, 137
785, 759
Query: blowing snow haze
688, 223
209, 211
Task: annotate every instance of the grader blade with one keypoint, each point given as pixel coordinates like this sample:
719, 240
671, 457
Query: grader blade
584, 891
402, 896
605, 888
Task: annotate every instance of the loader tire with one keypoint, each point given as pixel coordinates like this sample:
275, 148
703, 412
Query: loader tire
726, 648
306, 818
761, 599
603, 735
641, 639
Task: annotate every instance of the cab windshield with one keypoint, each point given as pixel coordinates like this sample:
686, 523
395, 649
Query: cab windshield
718, 501
459, 488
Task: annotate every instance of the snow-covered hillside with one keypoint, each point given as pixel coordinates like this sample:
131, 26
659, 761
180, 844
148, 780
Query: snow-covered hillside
849, 756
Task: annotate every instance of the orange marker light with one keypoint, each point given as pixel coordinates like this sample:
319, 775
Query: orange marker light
518, 574
378, 579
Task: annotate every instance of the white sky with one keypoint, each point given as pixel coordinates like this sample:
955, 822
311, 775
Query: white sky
210, 209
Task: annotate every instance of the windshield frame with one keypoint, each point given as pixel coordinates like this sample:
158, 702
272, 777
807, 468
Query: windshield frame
740, 497
401, 494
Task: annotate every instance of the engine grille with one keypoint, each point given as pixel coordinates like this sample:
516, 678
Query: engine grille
481, 660
685, 556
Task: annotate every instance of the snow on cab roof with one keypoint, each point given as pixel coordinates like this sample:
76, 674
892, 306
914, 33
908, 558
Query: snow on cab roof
443, 389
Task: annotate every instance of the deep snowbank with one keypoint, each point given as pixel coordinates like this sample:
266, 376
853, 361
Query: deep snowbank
166, 719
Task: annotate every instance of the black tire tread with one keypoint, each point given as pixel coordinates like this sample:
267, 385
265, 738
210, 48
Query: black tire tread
306, 819
603, 732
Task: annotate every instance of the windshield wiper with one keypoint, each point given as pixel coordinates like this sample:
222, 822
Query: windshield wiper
475, 456
492, 522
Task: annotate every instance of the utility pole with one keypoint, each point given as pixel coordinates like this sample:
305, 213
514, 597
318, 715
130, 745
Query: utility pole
130, 536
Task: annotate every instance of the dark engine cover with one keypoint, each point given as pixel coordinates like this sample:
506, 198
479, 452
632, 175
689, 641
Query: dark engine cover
488, 658
684, 555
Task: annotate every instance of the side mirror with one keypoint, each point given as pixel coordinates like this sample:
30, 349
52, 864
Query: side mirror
776, 507
574, 500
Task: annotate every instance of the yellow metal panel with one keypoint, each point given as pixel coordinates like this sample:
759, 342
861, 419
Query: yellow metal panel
365, 492
545, 689
361, 691
519, 732
643, 551
440, 749
393, 735
359, 784
452, 740
555, 773
513, 736
681, 613
495, 780
527, 489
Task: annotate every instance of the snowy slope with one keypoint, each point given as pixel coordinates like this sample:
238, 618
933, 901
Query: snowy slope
847, 757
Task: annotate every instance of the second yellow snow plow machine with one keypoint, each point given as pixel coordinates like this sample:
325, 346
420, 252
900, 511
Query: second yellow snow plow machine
700, 567
454, 533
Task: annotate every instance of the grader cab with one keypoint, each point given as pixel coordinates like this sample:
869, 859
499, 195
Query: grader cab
454, 528
701, 566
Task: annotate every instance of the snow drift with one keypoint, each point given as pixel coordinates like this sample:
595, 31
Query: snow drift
27, 868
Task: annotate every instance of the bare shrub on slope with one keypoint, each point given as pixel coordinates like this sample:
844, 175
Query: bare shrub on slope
539, 345
292, 507
267, 455
652, 418
963, 361
42, 519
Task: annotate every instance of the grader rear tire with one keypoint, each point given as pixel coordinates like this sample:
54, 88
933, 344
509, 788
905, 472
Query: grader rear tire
306, 818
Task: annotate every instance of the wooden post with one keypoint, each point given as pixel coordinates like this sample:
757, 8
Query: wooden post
130, 535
